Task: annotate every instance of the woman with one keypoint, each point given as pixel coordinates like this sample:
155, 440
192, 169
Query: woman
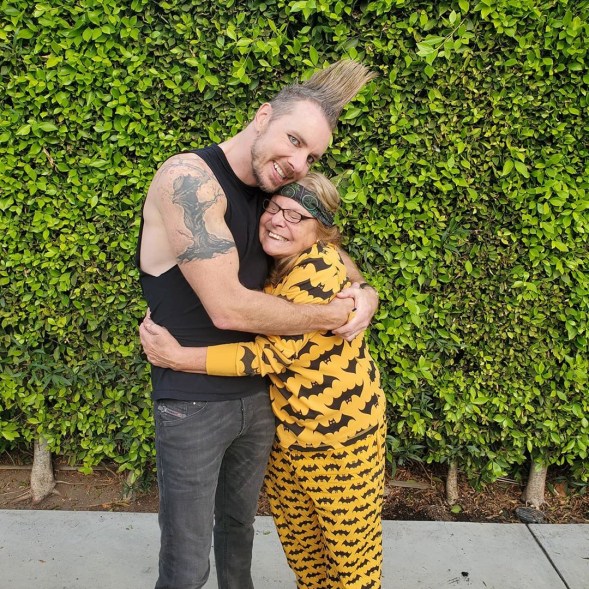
326, 470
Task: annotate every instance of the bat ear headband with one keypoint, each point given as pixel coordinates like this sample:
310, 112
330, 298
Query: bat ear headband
309, 200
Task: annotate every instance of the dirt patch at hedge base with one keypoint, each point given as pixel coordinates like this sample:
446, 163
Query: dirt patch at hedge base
416, 494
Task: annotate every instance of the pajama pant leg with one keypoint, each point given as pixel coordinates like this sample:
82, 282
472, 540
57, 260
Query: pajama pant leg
296, 522
327, 508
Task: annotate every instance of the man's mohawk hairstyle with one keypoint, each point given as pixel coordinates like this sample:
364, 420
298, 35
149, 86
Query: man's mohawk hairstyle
331, 89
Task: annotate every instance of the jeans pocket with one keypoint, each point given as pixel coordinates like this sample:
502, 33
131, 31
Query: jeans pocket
171, 412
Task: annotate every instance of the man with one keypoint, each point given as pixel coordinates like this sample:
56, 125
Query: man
202, 268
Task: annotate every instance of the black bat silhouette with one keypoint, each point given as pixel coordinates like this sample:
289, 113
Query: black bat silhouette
346, 397
313, 387
295, 428
338, 348
312, 414
308, 347
316, 264
333, 425
248, 360
372, 402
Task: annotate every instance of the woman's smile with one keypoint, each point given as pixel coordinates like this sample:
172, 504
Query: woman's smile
281, 238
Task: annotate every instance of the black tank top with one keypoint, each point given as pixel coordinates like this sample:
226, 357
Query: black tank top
175, 305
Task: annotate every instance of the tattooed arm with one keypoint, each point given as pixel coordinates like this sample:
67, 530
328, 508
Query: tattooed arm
184, 224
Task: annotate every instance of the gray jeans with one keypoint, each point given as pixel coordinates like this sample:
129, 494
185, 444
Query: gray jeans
211, 458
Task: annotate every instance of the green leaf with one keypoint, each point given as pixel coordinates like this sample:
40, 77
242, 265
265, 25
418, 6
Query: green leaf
521, 168
24, 130
351, 114
53, 60
24, 34
424, 49
507, 167
47, 127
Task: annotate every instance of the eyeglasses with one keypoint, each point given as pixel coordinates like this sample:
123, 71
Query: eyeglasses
290, 215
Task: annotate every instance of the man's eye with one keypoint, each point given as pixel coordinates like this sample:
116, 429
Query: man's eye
294, 140
310, 160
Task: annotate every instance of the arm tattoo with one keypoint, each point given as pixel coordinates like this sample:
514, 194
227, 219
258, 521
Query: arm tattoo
204, 245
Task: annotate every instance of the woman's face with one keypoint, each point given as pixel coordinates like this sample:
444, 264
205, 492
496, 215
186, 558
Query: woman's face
281, 238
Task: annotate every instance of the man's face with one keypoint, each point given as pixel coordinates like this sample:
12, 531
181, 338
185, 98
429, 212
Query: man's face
287, 146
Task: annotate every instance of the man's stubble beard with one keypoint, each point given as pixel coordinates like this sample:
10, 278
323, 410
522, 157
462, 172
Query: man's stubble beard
256, 159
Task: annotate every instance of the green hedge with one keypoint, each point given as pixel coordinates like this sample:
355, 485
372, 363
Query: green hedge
464, 170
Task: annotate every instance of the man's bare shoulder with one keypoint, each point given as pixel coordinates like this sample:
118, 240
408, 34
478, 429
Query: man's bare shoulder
182, 165
183, 161
184, 169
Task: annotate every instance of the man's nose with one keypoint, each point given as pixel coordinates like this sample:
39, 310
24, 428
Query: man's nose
299, 164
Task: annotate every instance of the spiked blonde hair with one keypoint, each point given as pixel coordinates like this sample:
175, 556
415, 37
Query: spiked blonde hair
331, 89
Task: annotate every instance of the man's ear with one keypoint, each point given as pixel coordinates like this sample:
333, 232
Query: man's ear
263, 116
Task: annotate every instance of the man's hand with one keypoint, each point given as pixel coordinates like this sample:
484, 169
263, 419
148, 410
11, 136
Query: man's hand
365, 306
337, 313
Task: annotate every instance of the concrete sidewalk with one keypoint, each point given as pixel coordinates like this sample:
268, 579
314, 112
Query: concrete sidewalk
98, 550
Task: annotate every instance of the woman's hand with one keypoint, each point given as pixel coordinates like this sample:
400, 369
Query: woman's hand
162, 349
159, 345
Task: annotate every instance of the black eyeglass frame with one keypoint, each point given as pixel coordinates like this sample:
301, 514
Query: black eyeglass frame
286, 213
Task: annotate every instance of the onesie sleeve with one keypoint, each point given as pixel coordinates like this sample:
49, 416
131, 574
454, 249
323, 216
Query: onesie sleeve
317, 277
265, 355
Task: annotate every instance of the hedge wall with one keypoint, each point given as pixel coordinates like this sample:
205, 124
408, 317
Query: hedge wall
464, 169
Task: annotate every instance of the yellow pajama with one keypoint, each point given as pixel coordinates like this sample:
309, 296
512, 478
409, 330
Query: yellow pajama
326, 471
327, 509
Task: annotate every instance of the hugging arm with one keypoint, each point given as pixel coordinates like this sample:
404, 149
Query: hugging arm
187, 203
266, 354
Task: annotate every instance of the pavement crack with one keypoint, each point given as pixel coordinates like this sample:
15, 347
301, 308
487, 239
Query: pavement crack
547, 556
